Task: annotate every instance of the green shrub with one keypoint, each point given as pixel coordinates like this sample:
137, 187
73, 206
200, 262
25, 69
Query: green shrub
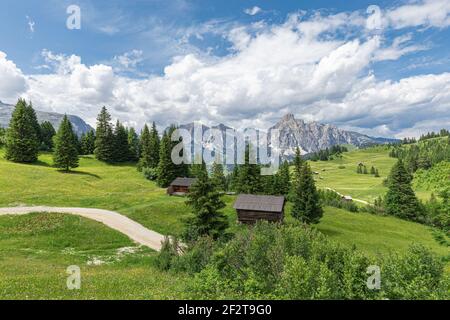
150, 173
295, 261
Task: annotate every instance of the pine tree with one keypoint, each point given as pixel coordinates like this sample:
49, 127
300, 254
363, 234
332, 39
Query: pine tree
218, 177
47, 132
372, 170
166, 168
182, 169
133, 145
365, 170
283, 179
153, 157
205, 202
234, 178
305, 197
145, 160
121, 150
88, 142
377, 174
66, 153
22, 137
400, 199
104, 140
249, 179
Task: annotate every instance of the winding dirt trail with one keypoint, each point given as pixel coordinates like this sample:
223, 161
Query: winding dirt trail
114, 220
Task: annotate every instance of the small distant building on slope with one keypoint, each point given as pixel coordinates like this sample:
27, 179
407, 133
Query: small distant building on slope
251, 208
347, 198
180, 186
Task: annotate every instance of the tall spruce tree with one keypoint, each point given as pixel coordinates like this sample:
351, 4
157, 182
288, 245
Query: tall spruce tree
283, 179
47, 132
305, 197
218, 177
249, 178
65, 155
121, 150
88, 142
104, 140
206, 203
400, 200
145, 160
182, 169
153, 156
166, 168
23, 134
133, 145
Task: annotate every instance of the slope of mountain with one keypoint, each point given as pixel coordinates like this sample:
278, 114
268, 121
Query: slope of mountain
79, 125
312, 137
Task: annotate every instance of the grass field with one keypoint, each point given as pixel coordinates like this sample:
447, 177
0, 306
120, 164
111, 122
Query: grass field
36, 249
340, 174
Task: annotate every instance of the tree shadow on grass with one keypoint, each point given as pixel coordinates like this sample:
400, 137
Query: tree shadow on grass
81, 173
40, 163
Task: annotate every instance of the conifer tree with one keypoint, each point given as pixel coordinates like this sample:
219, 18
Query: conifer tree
249, 179
121, 149
400, 199
153, 157
372, 170
283, 179
65, 155
182, 169
305, 197
22, 137
377, 174
166, 168
88, 142
47, 132
206, 203
218, 177
133, 145
365, 170
104, 140
145, 160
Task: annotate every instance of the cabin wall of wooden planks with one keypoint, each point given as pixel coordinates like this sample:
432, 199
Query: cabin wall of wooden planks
251, 217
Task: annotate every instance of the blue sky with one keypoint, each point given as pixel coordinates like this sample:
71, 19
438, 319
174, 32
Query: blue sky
193, 56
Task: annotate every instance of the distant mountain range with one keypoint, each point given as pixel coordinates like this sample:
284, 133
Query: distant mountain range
310, 137
79, 125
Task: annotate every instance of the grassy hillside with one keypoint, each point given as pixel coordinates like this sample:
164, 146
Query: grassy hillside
340, 174
36, 249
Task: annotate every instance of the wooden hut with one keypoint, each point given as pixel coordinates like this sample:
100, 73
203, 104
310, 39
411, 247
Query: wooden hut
251, 208
180, 186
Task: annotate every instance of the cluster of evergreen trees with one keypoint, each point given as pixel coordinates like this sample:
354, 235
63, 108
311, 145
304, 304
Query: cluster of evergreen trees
327, 154
424, 154
25, 137
430, 135
362, 169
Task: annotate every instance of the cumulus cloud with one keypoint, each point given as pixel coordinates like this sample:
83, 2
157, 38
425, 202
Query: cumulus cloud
298, 66
429, 13
252, 11
12, 81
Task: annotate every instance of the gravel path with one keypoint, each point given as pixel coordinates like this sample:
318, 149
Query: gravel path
114, 220
357, 200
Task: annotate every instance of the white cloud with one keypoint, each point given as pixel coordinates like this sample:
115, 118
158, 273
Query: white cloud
31, 24
12, 81
253, 11
429, 13
299, 66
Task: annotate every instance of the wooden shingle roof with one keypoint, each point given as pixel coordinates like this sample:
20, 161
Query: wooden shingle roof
183, 182
259, 203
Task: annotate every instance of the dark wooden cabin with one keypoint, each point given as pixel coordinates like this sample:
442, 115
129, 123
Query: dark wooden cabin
180, 186
251, 208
